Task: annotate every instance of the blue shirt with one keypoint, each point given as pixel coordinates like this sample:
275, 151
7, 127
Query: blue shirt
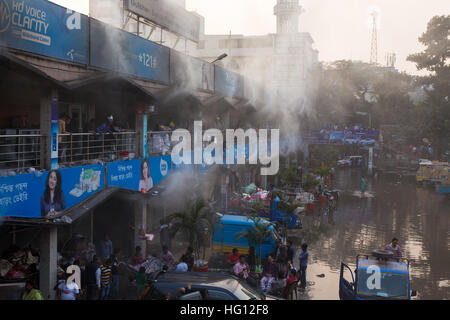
106, 248
303, 258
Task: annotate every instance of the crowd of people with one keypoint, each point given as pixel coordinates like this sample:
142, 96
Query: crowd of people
278, 275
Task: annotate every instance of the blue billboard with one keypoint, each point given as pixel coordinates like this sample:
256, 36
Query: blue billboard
41, 194
44, 28
121, 51
228, 83
140, 174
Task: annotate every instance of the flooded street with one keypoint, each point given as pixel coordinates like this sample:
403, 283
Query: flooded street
417, 216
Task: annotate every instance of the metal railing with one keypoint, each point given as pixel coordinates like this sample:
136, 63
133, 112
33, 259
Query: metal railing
88, 148
20, 152
159, 143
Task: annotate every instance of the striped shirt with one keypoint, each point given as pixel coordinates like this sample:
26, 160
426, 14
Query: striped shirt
106, 274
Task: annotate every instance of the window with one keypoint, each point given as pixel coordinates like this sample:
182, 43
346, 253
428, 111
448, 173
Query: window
218, 295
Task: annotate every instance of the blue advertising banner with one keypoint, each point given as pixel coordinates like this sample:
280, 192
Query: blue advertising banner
228, 83
139, 175
121, 51
44, 28
30, 195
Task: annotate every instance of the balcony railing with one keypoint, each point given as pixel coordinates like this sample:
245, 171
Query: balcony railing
20, 152
89, 148
159, 143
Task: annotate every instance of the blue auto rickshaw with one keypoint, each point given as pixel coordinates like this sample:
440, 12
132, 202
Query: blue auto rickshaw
225, 232
377, 277
291, 221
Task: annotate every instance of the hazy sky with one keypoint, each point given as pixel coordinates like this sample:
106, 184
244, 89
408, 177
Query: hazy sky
339, 27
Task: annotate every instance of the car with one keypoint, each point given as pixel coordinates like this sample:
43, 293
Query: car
344, 162
351, 140
204, 286
367, 142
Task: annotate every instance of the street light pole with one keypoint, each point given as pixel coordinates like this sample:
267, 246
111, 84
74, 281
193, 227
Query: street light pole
222, 56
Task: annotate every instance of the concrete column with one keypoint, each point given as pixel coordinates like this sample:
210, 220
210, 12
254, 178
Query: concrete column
48, 262
140, 221
141, 135
46, 131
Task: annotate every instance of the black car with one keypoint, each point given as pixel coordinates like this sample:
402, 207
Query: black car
204, 286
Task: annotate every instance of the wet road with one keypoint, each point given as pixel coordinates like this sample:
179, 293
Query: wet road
417, 216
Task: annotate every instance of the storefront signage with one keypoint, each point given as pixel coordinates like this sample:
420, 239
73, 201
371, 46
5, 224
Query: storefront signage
121, 51
228, 83
168, 15
189, 72
44, 28
29, 195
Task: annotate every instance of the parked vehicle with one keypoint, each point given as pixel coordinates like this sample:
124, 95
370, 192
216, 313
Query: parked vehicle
344, 162
204, 286
291, 221
394, 282
337, 138
352, 161
226, 230
367, 142
351, 139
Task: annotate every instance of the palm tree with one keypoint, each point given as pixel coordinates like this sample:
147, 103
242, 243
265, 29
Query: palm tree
256, 235
195, 222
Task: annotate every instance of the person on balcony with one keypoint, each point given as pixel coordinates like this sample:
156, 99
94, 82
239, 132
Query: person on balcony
64, 128
107, 127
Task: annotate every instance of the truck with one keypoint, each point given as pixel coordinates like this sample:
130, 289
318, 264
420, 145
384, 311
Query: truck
379, 276
226, 230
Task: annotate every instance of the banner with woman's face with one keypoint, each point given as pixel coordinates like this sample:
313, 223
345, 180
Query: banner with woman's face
140, 174
35, 195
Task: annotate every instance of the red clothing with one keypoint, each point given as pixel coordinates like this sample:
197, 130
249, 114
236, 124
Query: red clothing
137, 259
233, 258
290, 280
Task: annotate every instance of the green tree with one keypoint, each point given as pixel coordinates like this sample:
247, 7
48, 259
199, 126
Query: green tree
195, 223
435, 111
256, 235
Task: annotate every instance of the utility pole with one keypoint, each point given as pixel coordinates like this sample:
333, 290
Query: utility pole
374, 46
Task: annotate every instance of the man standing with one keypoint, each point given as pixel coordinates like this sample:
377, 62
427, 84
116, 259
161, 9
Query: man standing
106, 279
394, 248
164, 237
188, 258
93, 278
115, 273
363, 186
106, 247
68, 291
303, 259
63, 128
290, 251
167, 258
270, 270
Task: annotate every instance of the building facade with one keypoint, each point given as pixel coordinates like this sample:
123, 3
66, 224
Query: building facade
283, 61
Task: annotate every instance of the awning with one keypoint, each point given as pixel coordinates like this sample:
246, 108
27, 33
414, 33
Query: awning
107, 78
245, 106
73, 213
9, 61
84, 207
172, 94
